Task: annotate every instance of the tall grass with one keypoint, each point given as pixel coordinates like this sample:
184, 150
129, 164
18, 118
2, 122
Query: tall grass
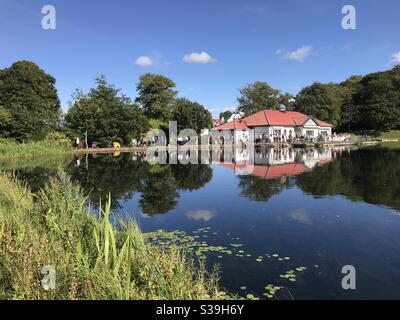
11, 149
93, 258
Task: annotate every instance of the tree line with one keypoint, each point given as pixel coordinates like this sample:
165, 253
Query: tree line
30, 108
370, 102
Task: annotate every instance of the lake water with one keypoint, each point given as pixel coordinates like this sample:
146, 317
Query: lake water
288, 218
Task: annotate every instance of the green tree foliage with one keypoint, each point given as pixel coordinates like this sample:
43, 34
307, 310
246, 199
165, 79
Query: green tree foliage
322, 101
5, 119
225, 115
256, 97
378, 100
191, 115
105, 115
359, 103
30, 106
156, 95
350, 113
287, 100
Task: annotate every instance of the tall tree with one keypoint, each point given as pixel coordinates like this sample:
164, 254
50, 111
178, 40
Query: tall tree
379, 100
256, 97
104, 115
322, 101
156, 95
30, 106
350, 113
225, 115
191, 115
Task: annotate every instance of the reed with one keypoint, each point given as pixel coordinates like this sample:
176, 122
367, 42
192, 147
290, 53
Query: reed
94, 258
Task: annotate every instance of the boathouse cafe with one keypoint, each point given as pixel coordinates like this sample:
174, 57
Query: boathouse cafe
274, 126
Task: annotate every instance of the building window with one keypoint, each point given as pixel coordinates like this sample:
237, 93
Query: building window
310, 133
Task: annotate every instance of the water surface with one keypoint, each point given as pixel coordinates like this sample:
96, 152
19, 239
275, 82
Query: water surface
290, 218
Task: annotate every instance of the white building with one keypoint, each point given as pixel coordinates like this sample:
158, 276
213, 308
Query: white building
274, 126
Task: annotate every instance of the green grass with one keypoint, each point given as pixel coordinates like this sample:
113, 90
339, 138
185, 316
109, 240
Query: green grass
93, 258
11, 149
392, 134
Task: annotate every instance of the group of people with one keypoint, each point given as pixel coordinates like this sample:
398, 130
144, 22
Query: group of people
274, 138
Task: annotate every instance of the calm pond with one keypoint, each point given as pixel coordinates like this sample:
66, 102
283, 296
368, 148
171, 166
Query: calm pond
283, 218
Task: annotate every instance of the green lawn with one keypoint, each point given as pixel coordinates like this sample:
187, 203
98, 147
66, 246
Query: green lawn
392, 134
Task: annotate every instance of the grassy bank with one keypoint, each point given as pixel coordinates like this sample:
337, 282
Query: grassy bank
392, 134
11, 149
93, 259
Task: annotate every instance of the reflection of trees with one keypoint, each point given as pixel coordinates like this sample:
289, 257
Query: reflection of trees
159, 190
259, 189
158, 184
36, 178
369, 175
105, 174
35, 172
326, 180
192, 177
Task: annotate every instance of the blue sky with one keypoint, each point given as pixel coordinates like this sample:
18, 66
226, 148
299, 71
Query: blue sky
287, 43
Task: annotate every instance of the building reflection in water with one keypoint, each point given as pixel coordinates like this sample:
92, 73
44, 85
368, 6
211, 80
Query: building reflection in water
268, 164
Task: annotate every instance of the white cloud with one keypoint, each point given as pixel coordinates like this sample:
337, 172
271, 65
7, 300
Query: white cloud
144, 61
204, 215
299, 54
202, 57
395, 58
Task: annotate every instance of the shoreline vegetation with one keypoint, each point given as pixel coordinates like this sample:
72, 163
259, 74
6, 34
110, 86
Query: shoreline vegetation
10, 149
93, 258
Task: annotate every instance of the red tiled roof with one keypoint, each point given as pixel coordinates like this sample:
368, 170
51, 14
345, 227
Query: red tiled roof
233, 125
218, 121
271, 171
272, 118
268, 172
277, 118
322, 123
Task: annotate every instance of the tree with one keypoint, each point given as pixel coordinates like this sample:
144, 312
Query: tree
225, 115
379, 100
256, 97
322, 101
350, 113
156, 96
30, 106
191, 115
104, 115
287, 100
5, 119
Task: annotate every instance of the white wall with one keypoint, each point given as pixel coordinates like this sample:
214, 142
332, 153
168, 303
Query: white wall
259, 131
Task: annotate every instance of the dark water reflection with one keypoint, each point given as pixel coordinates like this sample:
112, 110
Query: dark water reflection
322, 209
